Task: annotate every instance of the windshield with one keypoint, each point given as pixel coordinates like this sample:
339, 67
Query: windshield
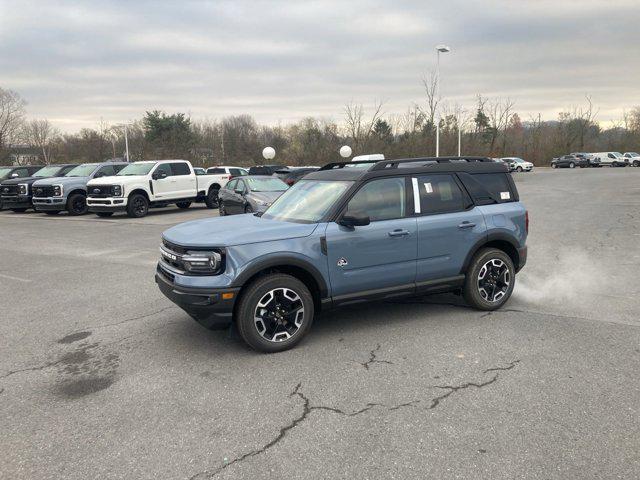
83, 170
4, 171
633, 154
49, 171
617, 154
269, 184
136, 169
307, 201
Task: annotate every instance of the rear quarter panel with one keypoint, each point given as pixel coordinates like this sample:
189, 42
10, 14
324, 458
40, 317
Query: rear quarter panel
506, 219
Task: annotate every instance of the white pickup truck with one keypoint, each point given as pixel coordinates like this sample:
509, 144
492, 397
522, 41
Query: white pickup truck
152, 183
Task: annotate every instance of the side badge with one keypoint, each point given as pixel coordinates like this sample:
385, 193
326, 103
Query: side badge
342, 262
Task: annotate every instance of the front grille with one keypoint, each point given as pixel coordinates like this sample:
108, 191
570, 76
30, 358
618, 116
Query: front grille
173, 247
100, 191
165, 274
9, 190
43, 191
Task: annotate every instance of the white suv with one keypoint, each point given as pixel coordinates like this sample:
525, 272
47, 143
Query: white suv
633, 158
517, 164
141, 185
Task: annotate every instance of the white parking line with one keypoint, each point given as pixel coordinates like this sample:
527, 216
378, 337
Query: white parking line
17, 279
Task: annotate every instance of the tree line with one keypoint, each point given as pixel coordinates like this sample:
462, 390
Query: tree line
491, 128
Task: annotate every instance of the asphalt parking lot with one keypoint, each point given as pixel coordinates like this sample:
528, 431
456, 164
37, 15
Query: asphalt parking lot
102, 377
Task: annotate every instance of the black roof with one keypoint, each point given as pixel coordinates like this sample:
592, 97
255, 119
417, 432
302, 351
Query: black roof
408, 166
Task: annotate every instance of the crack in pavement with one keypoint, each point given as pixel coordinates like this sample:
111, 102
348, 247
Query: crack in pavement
307, 408
126, 320
373, 359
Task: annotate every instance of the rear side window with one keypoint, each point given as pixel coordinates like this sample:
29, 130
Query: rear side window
180, 168
380, 199
487, 188
216, 171
439, 194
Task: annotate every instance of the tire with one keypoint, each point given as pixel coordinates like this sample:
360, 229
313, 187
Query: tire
51, 212
77, 204
274, 291
104, 214
221, 210
553, 165
478, 295
19, 210
183, 205
572, 165
636, 163
211, 199
248, 209
137, 206
519, 169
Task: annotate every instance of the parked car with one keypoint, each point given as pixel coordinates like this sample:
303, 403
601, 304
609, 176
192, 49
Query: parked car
16, 193
231, 171
265, 169
587, 160
200, 170
8, 172
153, 183
248, 194
566, 161
612, 159
633, 158
346, 235
54, 195
517, 164
292, 175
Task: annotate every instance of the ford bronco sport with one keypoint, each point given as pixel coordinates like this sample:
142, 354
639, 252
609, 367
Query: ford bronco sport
343, 235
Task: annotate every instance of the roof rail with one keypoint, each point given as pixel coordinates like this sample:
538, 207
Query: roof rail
334, 165
381, 165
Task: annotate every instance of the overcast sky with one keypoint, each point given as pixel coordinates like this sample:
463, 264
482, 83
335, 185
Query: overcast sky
77, 62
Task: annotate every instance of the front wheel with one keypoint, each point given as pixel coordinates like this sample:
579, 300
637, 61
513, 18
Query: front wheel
274, 313
636, 163
77, 204
183, 205
137, 206
572, 165
519, 169
212, 198
490, 279
248, 209
553, 165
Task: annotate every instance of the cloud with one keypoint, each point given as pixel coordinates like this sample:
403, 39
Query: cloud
77, 62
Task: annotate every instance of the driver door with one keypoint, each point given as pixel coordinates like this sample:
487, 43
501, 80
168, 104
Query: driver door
376, 260
163, 188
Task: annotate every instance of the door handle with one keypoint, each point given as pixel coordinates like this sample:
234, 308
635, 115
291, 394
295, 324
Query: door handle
399, 233
466, 225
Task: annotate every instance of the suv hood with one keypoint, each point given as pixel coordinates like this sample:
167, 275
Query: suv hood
235, 230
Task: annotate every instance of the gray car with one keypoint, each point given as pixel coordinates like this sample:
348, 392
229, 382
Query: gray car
250, 193
54, 195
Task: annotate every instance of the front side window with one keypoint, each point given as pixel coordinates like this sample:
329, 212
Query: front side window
307, 201
439, 194
166, 168
136, 169
83, 170
240, 186
180, 168
383, 199
231, 185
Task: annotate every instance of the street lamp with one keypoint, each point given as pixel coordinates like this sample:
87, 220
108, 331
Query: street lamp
268, 153
126, 140
439, 49
345, 151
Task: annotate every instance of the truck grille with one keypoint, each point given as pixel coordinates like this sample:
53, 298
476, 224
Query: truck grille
43, 191
9, 190
100, 191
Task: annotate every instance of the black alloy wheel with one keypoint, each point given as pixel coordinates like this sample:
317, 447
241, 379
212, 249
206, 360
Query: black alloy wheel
138, 206
77, 204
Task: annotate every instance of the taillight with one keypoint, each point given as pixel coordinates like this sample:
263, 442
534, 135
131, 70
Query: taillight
526, 221
289, 182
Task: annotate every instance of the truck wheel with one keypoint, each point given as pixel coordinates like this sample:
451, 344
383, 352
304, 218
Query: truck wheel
137, 206
77, 204
211, 199
274, 313
490, 279
183, 205
104, 214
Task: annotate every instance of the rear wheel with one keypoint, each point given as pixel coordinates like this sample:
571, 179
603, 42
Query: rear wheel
636, 163
490, 279
572, 165
212, 198
248, 209
183, 205
274, 313
104, 214
77, 204
137, 206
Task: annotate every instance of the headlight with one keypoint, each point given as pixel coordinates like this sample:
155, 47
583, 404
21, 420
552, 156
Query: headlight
23, 188
202, 262
57, 190
117, 190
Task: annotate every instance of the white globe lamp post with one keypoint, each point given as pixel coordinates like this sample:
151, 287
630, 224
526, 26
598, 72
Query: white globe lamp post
269, 153
345, 151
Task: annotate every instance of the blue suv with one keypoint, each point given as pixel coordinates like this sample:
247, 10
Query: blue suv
350, 232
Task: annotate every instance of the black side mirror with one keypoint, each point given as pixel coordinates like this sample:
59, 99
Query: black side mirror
354, 219
159, 175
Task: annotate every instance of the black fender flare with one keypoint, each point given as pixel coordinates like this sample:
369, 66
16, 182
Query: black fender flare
503, 236
282, 260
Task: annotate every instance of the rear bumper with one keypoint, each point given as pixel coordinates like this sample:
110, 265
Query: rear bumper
49, 203
204, 305
16, 201
522, 258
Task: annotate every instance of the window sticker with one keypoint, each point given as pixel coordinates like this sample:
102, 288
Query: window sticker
428, 187
505, 195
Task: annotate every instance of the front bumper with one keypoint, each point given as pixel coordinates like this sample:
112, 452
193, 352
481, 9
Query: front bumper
205, 305
49, 203
16, 201
107, 204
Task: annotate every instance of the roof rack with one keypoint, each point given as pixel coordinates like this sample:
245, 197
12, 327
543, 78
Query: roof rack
334, 165
394, 163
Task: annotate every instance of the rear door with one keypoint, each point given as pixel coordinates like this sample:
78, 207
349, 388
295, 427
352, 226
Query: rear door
183, 180
378, 259
448, 227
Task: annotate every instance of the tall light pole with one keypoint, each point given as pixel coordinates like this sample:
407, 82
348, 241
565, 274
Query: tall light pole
126, 140
439, 49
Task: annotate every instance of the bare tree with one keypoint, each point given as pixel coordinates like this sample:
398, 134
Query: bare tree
12, 111
42, 135
359, 127
430, 83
